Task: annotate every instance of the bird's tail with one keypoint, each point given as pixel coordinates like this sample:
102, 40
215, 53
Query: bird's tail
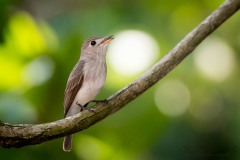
67, 143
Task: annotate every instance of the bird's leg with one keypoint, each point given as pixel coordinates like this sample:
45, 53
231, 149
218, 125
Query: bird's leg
85, 107
99, 101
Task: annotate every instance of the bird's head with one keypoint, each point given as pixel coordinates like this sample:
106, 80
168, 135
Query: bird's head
95, 47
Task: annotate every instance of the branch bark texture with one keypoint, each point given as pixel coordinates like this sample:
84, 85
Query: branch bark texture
20, 135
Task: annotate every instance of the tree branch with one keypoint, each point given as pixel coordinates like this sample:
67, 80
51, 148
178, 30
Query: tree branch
27, 134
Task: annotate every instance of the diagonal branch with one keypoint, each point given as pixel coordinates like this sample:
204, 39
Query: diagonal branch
27, 134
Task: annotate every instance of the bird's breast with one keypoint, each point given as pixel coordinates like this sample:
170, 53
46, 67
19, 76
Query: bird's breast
94, 78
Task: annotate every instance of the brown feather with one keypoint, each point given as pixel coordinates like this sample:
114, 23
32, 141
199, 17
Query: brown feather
67, 143
74, 83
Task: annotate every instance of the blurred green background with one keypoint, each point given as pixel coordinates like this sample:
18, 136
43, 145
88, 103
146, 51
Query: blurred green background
193, 113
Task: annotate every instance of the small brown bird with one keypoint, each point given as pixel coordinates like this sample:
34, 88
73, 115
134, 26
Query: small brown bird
86, 79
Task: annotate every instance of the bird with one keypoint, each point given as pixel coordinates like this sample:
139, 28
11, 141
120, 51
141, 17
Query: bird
86, 79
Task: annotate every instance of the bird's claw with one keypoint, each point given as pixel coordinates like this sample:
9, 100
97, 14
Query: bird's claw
99, 101
85, 107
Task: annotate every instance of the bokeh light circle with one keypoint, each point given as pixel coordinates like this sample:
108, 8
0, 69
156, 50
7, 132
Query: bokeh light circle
132, 52
38, 71
215, 59
172, 98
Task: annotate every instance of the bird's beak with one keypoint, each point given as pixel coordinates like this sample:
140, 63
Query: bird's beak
107, 40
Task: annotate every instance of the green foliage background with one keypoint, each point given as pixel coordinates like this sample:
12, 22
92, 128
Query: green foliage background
48, 34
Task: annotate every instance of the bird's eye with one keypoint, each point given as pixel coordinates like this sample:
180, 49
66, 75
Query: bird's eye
93, 43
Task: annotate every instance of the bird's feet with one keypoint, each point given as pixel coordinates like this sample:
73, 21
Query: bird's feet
99, 101
85, 107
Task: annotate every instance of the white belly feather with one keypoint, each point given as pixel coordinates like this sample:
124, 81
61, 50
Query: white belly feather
92, 83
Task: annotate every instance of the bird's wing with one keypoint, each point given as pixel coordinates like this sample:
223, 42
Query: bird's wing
74, 83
